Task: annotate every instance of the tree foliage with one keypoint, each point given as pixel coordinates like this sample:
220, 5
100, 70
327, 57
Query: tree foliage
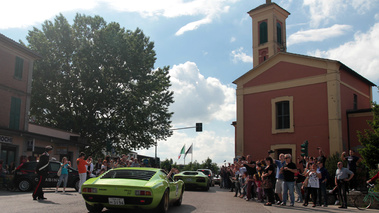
99, 80
370, 141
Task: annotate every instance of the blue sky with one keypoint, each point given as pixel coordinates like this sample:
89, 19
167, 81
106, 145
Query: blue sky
208, 44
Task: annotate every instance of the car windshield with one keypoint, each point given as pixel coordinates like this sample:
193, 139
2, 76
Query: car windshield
129, 174
190, 173
206, 172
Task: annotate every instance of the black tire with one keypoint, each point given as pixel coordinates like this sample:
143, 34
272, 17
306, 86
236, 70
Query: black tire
179, 201
206, 188
363, 204
24, 185
95, 208
76, 186
163, 205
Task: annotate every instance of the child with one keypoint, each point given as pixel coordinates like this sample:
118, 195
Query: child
258, 183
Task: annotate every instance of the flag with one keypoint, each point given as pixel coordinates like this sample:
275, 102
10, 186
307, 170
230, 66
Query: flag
182, 151
189, 151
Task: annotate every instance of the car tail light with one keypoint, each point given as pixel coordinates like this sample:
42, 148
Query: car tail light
90, 190
143, 193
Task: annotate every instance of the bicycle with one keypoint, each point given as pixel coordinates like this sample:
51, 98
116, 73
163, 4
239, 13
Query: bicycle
368, 198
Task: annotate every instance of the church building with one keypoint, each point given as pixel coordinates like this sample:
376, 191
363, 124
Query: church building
287, 98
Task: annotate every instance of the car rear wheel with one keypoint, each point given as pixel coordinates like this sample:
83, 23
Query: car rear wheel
206, 188
77, 185
163, 205
24, 185
94, 208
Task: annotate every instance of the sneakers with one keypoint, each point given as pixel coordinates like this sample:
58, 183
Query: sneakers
337, 202
56, 190
64, 192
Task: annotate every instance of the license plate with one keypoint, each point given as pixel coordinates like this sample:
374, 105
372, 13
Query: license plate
189, 179
116, 201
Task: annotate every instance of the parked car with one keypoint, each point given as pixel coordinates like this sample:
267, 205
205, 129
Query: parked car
132, 188
193, 179
25, 177
208, 173
216, 180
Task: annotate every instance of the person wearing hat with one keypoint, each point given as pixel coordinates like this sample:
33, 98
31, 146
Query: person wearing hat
42, 172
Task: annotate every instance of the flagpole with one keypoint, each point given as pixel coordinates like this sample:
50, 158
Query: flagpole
192, 153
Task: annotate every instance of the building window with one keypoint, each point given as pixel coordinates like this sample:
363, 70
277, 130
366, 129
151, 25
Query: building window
282, 114
355, 102
14, 118
263, 32
19, 67
279, 33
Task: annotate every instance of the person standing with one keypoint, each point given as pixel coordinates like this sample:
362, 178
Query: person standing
341, 180
64, 174
268, 180
289, 169
323, 180
313, 184
249, 164
279, 178
352, 161
42, 170
82, 169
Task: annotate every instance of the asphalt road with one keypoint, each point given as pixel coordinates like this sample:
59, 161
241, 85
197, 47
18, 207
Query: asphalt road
215, 200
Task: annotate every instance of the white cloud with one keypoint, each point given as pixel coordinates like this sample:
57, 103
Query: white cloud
318, 34
205, 144
232, 39
21, 14
321, 11
361, 55
34, 12
198, 98
240, 55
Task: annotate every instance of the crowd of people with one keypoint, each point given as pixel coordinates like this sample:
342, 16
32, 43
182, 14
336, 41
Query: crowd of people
276, 181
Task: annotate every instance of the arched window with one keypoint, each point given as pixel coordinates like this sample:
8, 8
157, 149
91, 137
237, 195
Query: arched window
279, 32
263, 32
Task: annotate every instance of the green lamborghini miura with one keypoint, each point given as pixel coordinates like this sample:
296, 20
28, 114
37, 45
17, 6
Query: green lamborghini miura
132, 188
193, 179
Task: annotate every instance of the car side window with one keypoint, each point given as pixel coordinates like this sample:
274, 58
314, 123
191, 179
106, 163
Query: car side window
54, 167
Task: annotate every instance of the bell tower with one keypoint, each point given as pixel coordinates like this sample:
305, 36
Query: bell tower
269, 31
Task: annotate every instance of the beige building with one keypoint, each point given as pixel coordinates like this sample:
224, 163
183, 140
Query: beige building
20, 139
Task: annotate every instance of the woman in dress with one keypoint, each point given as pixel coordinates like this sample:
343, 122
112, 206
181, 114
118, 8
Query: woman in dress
268, 177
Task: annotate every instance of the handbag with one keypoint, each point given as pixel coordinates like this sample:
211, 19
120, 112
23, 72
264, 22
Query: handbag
267, 183
59, 172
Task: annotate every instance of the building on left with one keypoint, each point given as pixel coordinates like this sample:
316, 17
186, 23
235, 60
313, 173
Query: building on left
21, 140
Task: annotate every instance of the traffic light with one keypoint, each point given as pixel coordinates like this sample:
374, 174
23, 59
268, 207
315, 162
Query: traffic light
304, 149
199, 127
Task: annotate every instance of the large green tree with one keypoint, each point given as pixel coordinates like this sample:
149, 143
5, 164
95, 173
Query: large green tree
99, 80
370, 141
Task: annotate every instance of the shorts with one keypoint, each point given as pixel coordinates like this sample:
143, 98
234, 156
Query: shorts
279, 186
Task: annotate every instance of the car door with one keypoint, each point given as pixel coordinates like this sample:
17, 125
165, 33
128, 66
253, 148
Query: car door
174, 189
52, 177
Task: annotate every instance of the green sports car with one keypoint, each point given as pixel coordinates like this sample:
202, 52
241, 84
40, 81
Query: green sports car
193, 179
132, 188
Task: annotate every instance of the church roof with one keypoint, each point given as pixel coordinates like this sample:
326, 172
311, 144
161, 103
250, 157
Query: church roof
266, 5
342, 66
